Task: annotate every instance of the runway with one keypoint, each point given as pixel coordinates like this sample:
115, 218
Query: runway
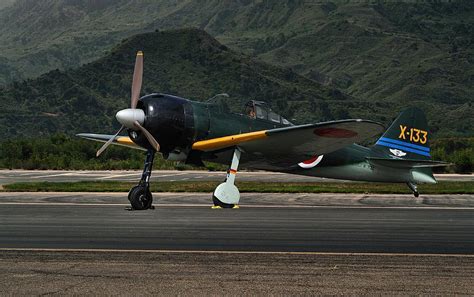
280, 244
281, 223
347, 230
11, 176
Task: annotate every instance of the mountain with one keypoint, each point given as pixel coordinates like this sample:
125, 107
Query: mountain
390, 52
382, 55
185, 62
419, 50
192, 64
39, 36
6, 3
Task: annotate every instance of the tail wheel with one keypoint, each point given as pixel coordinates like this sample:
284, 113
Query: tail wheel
140, 198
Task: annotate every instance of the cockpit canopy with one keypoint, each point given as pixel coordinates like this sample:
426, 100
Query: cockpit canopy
260, 110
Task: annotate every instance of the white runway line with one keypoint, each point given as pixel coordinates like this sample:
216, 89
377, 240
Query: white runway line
243, 206
24, 174
120, 175
91, 174
168, 175
51, 175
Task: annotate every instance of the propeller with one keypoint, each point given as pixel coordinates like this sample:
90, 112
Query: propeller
102, 148
148, 136
137, 80
133, 118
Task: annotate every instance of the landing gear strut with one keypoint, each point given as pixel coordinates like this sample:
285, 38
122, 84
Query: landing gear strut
414, 189
140, 196
226, 195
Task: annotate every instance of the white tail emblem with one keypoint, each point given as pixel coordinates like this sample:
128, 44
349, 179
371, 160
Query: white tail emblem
398, 153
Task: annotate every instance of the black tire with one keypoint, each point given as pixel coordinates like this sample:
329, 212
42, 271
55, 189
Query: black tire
416, 194
140, 198
217, 202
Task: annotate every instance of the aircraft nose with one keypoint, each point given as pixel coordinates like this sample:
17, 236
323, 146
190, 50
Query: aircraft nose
128, 116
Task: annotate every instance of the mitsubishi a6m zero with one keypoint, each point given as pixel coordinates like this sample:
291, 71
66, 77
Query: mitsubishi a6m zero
193, 132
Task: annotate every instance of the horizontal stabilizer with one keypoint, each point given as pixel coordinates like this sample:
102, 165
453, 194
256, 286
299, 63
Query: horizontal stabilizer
407, 163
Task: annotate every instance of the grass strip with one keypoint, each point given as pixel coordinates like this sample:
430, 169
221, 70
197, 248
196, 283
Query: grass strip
244, 187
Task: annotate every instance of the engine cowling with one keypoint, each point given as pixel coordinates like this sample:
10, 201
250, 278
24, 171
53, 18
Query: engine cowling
170, 120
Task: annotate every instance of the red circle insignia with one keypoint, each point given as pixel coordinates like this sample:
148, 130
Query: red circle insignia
310, 160
335, 133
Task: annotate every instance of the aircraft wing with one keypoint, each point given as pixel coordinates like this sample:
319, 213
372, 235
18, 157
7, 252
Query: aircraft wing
290, 145
119, 140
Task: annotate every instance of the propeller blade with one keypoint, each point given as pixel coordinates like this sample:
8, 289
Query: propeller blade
137, 80
109, 142
148, 136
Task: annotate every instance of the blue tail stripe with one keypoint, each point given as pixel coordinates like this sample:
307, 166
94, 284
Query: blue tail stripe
403, 148
418, 147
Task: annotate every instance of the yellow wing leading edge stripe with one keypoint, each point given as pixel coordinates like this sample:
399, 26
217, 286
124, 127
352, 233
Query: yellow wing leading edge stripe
125, 140
226, 141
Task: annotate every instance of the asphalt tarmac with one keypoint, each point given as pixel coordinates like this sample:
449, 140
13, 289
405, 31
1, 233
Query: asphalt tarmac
350, 223
11, 176
88, 243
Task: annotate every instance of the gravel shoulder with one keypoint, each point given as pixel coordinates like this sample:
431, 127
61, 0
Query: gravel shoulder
130, 273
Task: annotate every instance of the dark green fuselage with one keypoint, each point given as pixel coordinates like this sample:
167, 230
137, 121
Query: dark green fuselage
348, 163
177, 123
212, 121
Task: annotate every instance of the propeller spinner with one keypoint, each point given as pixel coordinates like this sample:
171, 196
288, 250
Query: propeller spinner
133, 118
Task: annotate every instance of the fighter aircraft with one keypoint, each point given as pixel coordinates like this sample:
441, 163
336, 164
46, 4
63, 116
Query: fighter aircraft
193, 132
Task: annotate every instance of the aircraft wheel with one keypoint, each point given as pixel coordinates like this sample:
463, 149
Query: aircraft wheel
140, 198
217, 202
416, 194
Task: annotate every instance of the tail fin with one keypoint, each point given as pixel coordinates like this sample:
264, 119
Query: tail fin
407, 138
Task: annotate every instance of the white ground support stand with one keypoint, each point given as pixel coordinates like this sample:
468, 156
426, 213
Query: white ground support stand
227, 195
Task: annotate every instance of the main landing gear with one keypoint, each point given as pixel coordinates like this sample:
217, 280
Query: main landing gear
414, 189
140, 196
226, 195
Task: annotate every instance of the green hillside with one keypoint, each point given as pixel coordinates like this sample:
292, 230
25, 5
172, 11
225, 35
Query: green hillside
383, 55
6, 3
38, 36
186, 62
392, 52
